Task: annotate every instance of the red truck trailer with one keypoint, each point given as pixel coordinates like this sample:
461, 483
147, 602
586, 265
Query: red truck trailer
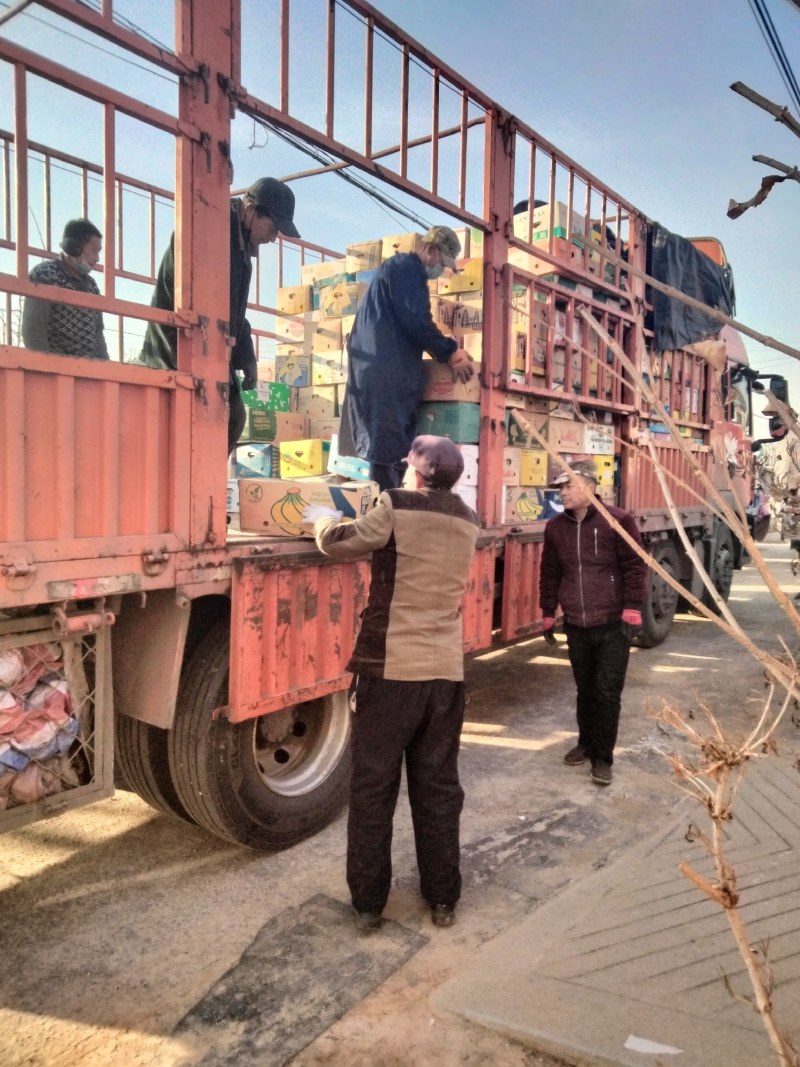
209, 663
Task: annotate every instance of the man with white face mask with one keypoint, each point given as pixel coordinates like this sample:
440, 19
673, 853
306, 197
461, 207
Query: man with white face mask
393, 328
65, 328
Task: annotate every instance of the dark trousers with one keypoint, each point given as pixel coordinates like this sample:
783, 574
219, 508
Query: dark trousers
387, 475
421, 721
237, 416
599, 657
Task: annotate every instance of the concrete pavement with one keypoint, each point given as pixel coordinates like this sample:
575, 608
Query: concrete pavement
628, 965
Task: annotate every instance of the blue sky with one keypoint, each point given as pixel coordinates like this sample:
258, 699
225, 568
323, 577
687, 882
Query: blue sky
637, 91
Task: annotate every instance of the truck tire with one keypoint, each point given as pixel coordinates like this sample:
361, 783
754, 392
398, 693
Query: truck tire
266, 783
721, 566
662, 600
141, 755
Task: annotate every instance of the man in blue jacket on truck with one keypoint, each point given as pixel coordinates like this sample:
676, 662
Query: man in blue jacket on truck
393, 327
600, 583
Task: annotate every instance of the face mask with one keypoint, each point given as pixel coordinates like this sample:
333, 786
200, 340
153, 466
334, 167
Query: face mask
435, 271
83, 266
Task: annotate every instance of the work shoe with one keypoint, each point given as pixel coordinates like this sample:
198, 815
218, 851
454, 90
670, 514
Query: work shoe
601, 772
443, 914
576, 756
368, 921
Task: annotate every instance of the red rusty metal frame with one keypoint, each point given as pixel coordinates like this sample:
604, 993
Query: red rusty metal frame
478, 602
521, 612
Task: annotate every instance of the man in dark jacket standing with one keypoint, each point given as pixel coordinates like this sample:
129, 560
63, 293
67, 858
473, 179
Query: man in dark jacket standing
600, 583
409, 662
393, 328
265, 210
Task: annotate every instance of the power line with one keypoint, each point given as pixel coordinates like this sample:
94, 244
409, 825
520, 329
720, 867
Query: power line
773, 42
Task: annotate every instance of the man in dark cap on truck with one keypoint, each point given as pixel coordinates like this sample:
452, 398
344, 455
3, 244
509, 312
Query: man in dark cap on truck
393, 328
409, 663
265, 210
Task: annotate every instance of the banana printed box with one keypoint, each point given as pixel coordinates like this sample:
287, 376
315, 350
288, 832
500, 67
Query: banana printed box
275, 507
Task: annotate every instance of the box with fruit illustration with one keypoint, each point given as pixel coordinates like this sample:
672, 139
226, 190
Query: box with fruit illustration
439, 383
269, 506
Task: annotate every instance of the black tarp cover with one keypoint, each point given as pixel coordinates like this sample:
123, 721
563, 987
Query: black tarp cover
675, 261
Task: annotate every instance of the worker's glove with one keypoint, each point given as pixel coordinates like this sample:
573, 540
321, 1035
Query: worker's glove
250, 374
313, 512
549, 631
631, 624
461, 365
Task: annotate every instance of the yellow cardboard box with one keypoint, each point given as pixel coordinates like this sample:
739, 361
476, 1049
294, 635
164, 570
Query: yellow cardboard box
327, 336
318, 272
468, 280
511, 464
365, 255
533, 466
317, 401
324, 429
295, 299
347, 321
342, 299
304, 459
521, 504
400, 242
329, 368
274, 507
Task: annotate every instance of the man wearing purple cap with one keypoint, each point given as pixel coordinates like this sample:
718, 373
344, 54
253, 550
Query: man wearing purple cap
265, 210
409, 667
386, 380
600, 583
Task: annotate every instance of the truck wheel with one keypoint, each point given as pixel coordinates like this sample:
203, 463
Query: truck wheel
662, 599
265, 783
721, 566
141, 752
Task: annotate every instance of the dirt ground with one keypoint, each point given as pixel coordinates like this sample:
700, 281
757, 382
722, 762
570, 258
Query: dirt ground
132, 939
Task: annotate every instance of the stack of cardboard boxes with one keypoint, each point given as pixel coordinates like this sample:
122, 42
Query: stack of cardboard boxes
293, 421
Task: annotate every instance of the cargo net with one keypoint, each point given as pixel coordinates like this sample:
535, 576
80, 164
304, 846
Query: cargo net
46, 719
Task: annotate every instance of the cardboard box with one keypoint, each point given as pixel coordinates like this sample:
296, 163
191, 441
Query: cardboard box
346, 466
347, 323
522, 504
547, 218
439, 384
295, 299
470, 475
318, 401
232, 498
472, 343
462, 233
605, 469
366, 255
296, 329
342, 299
459, 421
468, 280
327, 336
329, 369
275, 426
400, 242
256, 460
267, 396
324, 429
517, 435
598, 440
293, 368
565, 436
311, 273
533, 466
274, 507
475, 243
511, 461
305, 458
468, 313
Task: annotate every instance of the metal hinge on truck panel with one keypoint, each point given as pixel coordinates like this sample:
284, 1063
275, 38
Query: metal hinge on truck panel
18, 570
154, 561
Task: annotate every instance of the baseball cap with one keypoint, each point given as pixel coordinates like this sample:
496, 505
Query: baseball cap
277, 199
437, 459
446, 241
585, 467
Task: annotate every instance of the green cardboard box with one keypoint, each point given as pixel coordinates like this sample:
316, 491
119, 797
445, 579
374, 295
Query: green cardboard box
458, 420
267, 396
